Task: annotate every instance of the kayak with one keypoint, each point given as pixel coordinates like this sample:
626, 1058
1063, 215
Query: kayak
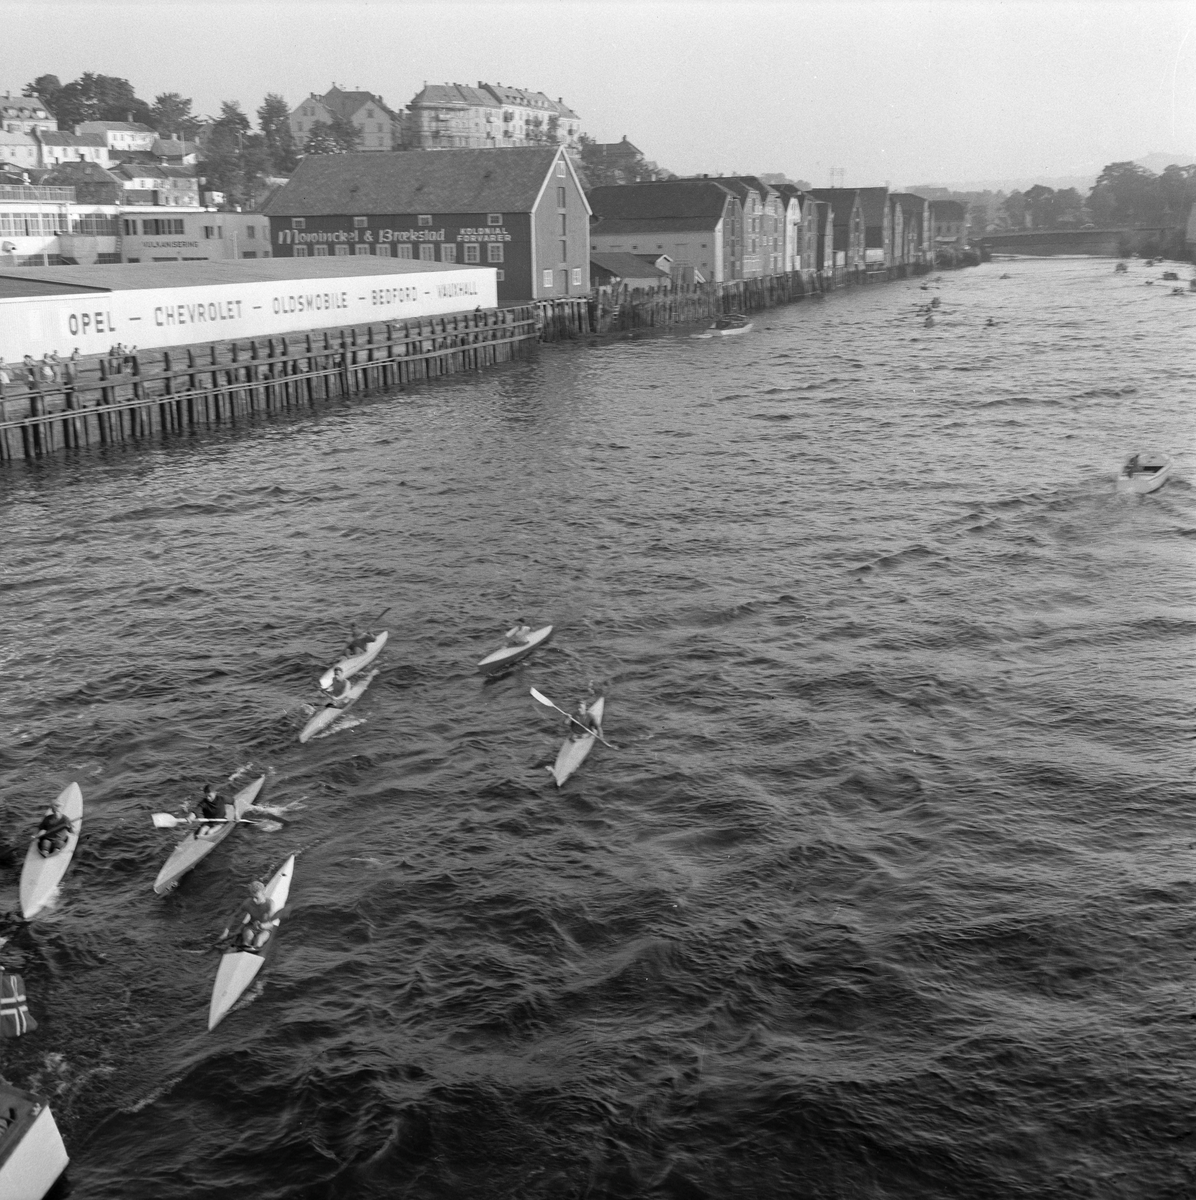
575, 750
195, 847
239, 968
40, 876
325, 716
350, 666
32, 1154
507, 655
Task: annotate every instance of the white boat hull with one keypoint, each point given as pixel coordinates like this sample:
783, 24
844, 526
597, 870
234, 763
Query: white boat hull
713, 333
195, 847
329, 713
350, 666
40, 876
505, 656
32, 1154
575, 750
239, 968
1141, 483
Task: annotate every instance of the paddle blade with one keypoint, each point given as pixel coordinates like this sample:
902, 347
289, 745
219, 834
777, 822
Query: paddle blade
166, 821
540, 698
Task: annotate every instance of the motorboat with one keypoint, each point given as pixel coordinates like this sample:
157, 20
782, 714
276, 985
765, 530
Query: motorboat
32, 1155
1144, 473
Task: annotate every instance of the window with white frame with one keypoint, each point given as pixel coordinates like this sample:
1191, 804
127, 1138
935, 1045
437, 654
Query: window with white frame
319, 251
473, 252
448, 254
424, 219
360, 222
403, 251
494, 218
494, 252
359, 249
577, 277
300, 251
298, 223
500, 276
427, 252
547, 279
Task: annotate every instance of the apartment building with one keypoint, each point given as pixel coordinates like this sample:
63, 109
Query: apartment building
489, 116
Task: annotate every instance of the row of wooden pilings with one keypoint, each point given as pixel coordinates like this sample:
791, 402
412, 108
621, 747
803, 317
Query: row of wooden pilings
109, 401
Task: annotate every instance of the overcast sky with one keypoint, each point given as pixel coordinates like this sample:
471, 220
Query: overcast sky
897, 91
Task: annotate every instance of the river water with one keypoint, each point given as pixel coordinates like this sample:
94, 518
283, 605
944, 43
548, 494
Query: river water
885, 891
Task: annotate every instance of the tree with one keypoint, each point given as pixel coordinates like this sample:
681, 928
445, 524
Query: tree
1013, 210
94, 97
171, 114
1177, 191
46, 87
1126, 194
338, 136
232, 116
235, 159
273, 118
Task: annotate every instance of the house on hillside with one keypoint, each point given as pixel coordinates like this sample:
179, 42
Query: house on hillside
848, 214
121, 136
378, 128
59, 147
489, 116
521, 211
698, 223
20, 150
25, 114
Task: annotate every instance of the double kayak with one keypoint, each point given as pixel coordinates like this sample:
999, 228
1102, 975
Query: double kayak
350, 666
239, 968
323, 717
504, 657
576, 749
40, 876
195, 847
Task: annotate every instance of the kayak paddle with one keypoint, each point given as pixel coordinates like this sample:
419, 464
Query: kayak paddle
167, 821
540, 698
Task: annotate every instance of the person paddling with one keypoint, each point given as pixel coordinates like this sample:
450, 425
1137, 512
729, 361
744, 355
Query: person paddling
518, 633
252, 930
582, 723
54, 831
211, 804
338, 688
358, 641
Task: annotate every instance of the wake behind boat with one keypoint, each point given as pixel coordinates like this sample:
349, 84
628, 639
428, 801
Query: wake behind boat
354, 663
41, 874
239, 968
324, 717
507, 655
1144, 473
32, 1155
195, 847
576, 749
727, 326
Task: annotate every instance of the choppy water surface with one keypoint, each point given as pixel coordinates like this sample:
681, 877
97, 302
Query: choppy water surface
887, 890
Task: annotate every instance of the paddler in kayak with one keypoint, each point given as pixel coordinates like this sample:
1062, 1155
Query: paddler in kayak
358, 641
518, 633
582, 723
250, 929
338, 689
54, 831
211, 805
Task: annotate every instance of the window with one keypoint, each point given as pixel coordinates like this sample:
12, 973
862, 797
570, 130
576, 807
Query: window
249, 254
564, 227
548, 280
577, 277
342, 252
403, 251
448, 254
251, 231
298, 223
360, 222
130, 228
319, 251
473, 252
560, 197
424, 219
382, 250
128, 260
500, 276
560, 167
494, 252
369, 112
300, 252
357, 249
494, 218
209, 231
105, 258
564, 250
427, 252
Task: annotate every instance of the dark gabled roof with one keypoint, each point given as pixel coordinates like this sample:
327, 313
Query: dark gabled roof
123, 126
626, 266
455, 95
69, 174
415, 181
54, 137
633, 225
874, 201
345, 104
841, 200
909, 201
683, 199
948, 208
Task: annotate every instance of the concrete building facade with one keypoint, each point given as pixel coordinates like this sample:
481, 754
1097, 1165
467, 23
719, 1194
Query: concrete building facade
489, 116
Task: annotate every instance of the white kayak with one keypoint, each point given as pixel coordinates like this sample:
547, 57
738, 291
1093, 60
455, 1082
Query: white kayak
350, 666
196, 846
507, 655
1144, 473
575, 750
324, 717
239, 968
40, 876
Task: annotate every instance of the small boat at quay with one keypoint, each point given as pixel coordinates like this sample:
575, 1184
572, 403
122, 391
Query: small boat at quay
32, 1155
239, 968
350, 666
505, 656
727, 326
1144, 473
195, 847
576, 749
324, 717
41, 874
